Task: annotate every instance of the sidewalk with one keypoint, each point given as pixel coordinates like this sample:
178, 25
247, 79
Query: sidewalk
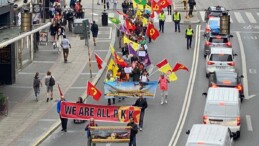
28, 120
179, 6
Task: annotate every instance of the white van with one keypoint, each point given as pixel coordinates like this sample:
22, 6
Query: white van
223, 108
209, 135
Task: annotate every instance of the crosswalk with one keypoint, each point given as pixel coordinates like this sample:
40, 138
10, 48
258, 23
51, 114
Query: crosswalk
241, 17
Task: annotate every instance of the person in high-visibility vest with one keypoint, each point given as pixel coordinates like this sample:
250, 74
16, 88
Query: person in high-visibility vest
177, 19
161, 18
188, 35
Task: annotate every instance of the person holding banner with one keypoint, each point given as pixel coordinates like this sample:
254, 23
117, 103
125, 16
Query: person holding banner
142, 103
87, 129
163, 82
133, 132
110, 79
63, 120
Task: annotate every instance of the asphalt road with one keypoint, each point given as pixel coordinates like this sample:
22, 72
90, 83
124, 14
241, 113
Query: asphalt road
161, 120
245, 37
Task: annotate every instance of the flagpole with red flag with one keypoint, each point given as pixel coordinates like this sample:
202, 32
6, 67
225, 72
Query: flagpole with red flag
60, 91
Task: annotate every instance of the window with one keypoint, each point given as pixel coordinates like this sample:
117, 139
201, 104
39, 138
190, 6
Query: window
221, 57
218, 40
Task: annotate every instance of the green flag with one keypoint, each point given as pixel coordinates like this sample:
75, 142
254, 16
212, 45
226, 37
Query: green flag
141, 2
114, 20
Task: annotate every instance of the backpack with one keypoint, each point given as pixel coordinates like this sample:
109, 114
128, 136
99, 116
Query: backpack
36, 82
51, 81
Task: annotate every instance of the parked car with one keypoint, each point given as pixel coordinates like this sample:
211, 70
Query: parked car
201, 134
216, 40
223, 108
227, 79
220, 59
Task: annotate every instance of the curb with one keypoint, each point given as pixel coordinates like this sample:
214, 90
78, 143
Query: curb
55, 126
190, 22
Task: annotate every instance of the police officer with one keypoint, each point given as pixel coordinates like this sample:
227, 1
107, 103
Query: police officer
188, 36
161, 18
177, 19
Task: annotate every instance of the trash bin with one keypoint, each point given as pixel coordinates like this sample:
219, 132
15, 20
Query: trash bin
105, 19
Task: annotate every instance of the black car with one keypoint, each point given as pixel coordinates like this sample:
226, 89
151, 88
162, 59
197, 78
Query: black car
214, 11
227, 79
216, 40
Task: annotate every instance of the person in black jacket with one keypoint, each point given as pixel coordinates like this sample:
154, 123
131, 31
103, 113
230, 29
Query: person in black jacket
125, 6
133, 132
142, 103
94, 29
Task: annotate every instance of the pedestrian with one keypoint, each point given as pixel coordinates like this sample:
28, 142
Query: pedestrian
161, 18
142, 103
163, 82
36, 85
49, 82
94, 29
125, 6
185, 4
169, 9
177, 19
87, 129
192, 3
65, 44
133, 132
115, 2
110, 79
80, 101
63, 120
53, 32
108, 4
188, 35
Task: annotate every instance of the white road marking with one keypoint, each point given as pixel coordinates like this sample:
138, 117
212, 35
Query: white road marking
250, 17
48, 120
239, 17
77, 87
202, 13
252, 71
250, 97
249, 123
101, 50
17, 86
28, 73
231, 20
108, 144
88, 73
244, 68
43, 61
189, 90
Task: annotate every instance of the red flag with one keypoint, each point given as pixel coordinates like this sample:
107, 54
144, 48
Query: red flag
98, 60
152, 14
119, 60
60, 92
179, 66
162, 63
129, 25
93, 91
163, 3
152, 32
123, 14
156, 7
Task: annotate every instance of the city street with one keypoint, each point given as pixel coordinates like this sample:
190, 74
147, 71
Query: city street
164, 125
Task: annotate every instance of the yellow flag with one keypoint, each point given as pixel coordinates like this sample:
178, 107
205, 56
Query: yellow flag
140, 7
134, 45
113, 68
167, 70
112, 49
139, 13
144, 21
